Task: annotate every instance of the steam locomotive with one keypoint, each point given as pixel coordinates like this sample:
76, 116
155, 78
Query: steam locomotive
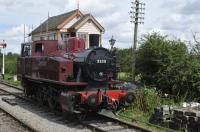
67, 76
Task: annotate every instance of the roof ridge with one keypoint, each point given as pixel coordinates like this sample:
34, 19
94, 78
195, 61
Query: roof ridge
65, 13
80, 20
54, 21
84, 17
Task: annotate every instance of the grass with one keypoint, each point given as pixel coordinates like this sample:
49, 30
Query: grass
9, 79
143, 107
123, 76
140, 119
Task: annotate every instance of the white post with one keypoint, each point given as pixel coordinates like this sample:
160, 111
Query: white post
3, 65
3, 46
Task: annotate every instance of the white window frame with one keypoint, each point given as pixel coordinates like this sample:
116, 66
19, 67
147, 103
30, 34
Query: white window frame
83, 35
65, 36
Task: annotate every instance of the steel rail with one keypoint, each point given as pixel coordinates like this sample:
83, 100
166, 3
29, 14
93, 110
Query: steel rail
127, 124
10, 85
84, 123
18, 95
113, 123
15, 118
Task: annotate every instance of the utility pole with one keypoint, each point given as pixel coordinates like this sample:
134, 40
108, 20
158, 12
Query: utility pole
47, 28
78, 2
137, 17
24, 33
32, 33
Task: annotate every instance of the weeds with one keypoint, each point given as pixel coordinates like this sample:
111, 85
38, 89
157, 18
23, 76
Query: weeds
146, 99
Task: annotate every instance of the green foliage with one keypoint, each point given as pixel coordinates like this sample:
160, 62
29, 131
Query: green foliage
10, 63
157, 56
9, 79
147, 99
123, 76
168, 65
125, 59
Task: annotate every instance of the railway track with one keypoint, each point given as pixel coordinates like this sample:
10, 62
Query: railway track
103, 123
5, 92
97, 122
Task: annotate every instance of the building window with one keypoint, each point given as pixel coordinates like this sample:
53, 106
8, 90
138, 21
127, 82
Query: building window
39, 48
65, 36
83, 36
52, 36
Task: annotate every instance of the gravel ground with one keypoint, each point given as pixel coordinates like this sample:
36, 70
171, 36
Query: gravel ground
8, 124
38, 118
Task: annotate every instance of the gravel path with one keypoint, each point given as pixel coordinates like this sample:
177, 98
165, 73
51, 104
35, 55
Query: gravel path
38, 118
8, 124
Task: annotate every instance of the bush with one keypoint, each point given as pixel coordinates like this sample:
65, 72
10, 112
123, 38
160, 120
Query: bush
10, 63
147, 99
169, 66
124, 56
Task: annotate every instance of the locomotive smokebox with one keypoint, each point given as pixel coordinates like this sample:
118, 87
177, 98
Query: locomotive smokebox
97, 63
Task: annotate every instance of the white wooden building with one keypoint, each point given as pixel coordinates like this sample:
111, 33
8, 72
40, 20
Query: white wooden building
71, 24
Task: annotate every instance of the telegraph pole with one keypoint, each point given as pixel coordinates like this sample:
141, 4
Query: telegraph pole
24, 33
47, 28
137, 17
78, 4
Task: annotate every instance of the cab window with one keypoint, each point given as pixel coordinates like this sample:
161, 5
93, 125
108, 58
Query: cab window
26, 50
39, 48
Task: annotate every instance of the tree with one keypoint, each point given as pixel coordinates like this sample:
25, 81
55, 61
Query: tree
10, 63
195, 47
167, 64
124, 56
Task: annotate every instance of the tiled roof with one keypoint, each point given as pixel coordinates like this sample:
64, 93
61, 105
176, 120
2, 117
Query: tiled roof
80, 20
53, 22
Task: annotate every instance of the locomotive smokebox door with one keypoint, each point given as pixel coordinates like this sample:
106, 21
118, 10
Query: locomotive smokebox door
99, 64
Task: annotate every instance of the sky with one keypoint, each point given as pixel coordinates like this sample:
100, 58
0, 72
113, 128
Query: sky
175, 18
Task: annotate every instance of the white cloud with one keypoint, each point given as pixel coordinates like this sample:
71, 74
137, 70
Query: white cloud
14, 37
8, 3
170, 17
60, 4
98, 7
